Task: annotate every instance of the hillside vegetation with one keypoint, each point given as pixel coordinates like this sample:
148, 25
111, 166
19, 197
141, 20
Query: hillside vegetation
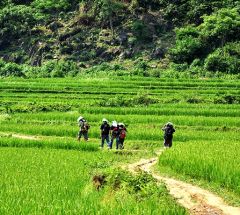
50, 38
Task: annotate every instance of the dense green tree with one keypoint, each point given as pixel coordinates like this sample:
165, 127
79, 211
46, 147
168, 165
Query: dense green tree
188, 45
198, 41
16, 20
222, 26
226, 59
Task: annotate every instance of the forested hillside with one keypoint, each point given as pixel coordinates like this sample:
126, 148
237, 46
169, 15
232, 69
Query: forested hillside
57, 38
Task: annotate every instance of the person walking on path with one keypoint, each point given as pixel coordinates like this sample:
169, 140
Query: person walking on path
168, 134
104, 129
114, 133
83, 128
121, 136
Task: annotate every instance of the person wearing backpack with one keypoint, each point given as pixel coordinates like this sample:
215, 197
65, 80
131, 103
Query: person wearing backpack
122, 132
83, 128
168, 134
114, 133
104, 129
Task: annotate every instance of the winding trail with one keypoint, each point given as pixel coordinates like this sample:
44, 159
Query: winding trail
197, 200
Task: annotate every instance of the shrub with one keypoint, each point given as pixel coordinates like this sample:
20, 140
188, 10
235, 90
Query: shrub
181, 11
227, 99
226, 59
144, 99
65, 68
179, 67
186, 49
50, 6
10, 69
194, 100
59, 69
140, 67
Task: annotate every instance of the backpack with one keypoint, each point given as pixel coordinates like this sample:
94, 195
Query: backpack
169, 131
123, 134
84, 125
115, 131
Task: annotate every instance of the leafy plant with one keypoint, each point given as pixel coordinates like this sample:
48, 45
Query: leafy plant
10, 69
226, 59
50, 6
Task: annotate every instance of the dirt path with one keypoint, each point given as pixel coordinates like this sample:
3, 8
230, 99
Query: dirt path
197, 200
26, 137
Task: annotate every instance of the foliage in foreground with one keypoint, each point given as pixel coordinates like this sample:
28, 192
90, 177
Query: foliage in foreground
53, 181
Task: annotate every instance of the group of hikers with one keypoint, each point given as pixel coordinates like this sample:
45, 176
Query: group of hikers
109, 133
117, 131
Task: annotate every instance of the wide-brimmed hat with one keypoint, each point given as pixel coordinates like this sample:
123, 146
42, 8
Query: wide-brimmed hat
114, 123
80, 118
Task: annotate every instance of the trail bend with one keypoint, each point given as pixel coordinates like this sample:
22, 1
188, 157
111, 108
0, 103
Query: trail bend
197, 200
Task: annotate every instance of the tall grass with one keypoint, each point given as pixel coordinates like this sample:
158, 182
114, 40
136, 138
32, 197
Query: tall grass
34, 181
205, 145
213, 161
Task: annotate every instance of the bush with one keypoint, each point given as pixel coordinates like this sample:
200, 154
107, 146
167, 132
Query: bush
179, 67
186, 49
141, 68
226, 59
194, 100
227, 99
59, 69
10, 69
65, 68
50, 6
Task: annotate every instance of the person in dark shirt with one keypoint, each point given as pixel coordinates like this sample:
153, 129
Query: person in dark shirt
105, 128
168, 134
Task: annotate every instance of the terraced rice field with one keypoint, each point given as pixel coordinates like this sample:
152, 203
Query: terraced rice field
51, 172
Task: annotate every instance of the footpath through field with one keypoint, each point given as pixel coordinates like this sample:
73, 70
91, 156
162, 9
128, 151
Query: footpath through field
197, 200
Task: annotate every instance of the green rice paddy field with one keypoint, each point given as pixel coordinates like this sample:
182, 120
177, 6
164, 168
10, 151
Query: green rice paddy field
44, 170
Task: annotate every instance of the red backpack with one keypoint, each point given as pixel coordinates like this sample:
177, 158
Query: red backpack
123, 134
